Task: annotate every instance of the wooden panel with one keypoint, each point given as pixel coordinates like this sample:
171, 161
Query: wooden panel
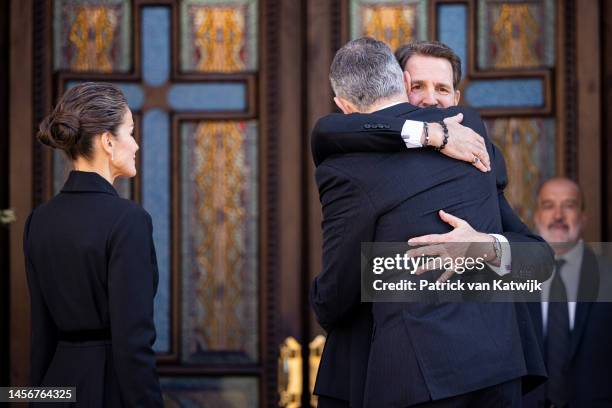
568, 71
4, 186
268, 199
42, 96
607, 111
560, 88
20, 170
319, 49
589, 114
290, 155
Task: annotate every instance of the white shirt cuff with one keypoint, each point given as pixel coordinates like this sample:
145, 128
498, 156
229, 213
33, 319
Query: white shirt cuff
505, 266
411, 133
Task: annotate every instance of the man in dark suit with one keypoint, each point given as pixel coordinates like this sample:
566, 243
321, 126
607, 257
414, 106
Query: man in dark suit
374, 189
574, 325
342, 370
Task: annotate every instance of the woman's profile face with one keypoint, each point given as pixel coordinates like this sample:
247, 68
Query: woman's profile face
125, 148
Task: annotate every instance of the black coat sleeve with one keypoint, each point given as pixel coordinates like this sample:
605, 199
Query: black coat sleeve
132, 283
338, 133
348, 220
44, 331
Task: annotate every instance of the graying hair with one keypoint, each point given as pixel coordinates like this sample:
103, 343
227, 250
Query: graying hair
365, 71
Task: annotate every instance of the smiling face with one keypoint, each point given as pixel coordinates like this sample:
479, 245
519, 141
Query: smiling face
431, 82
559, 217
124, 148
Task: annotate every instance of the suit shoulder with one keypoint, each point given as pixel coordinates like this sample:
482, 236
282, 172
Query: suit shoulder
353, 166
132, 209
352, 171
328, 120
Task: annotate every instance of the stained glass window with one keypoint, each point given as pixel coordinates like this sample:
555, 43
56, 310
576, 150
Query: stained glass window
392, 21
218, 241
92, 35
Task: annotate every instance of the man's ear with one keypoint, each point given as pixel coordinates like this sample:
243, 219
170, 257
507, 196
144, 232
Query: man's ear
457, 96
407, 82
345, 106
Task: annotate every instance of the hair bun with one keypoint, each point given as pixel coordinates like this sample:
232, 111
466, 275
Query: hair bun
60, 130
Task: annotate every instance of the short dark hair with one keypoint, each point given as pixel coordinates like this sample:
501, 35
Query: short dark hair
430, 49
83, 112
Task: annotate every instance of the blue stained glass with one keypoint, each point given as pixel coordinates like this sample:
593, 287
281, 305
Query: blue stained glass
132, 92
452, 30
156, 200
156, 45
228, 96
505, 93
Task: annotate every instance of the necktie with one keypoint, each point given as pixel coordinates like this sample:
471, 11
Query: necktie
558, 340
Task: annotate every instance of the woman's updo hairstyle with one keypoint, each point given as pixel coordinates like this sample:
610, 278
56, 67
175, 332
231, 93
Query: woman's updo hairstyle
83, 112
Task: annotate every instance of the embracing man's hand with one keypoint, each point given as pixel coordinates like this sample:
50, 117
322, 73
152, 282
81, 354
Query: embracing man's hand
462, 241
463, 143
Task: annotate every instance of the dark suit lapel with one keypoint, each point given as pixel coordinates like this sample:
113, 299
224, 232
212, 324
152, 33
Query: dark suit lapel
587, 290
535, 310
398, 110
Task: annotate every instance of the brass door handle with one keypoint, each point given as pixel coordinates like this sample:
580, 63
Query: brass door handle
290, 374
314, 359
7, 216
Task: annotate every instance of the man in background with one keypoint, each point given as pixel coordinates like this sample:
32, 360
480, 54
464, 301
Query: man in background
574, 326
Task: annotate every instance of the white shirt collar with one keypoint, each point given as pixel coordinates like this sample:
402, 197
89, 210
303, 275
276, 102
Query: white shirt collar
573, 255
389, 105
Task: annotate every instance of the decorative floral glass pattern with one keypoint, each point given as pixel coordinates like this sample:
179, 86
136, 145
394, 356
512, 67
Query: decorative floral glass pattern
516, 34
392, 21
219, 242
218, 35
528, 146
92, 35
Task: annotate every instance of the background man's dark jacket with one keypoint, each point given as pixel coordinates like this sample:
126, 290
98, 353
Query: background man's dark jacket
590, 376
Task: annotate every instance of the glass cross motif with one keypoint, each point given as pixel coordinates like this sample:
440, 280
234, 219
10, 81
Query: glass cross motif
153, 97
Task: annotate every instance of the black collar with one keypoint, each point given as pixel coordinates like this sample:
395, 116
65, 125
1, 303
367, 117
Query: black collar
87, 182
397, 110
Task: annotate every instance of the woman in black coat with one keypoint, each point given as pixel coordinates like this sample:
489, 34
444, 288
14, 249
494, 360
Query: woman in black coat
91, 263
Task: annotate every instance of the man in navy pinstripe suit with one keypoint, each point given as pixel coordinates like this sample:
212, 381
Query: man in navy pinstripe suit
445, 355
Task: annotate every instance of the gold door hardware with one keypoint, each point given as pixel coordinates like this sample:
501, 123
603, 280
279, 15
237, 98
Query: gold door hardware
314, 359
7, 216
290, 374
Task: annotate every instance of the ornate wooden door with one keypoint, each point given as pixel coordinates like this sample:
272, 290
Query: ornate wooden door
224, 94
519, 59
202, 78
